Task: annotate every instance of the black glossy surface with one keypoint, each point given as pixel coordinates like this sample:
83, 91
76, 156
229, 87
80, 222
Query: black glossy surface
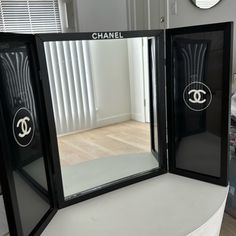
23, 135
199, 84
198, 60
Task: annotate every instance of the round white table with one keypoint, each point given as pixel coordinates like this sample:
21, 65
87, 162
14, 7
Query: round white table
167, 205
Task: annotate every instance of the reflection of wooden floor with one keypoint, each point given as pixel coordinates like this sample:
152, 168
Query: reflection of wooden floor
121, 138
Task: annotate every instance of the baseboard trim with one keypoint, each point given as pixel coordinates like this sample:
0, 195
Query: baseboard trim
113, 119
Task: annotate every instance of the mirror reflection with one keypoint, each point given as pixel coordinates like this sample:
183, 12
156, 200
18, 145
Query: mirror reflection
3, 219
100, 96
205, 4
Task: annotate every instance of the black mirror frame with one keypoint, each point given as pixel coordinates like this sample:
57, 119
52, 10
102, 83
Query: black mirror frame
227, 28
6, 175
158, 35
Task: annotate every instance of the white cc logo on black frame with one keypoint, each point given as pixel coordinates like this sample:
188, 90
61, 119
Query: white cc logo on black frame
23, 127
23, 123
197, 96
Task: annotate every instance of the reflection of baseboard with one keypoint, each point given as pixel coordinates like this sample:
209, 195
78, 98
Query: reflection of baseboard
113, 119
138, 117
109, 121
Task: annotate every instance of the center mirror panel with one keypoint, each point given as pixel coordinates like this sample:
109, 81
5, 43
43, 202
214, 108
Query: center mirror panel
100, 93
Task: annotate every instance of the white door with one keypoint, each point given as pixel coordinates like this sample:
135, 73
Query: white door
146, 14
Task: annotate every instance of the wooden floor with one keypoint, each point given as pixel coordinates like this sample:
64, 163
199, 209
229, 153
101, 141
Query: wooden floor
228, 226
122, 138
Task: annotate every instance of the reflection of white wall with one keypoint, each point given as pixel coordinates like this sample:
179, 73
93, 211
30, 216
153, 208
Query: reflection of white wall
110, 71
187, 14
118, 75
136, 79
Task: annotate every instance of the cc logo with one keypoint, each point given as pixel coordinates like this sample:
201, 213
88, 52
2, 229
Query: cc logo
25, 130
197, 96
23, 127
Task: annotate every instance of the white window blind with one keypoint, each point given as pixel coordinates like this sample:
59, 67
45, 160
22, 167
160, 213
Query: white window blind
30, 16
71, 84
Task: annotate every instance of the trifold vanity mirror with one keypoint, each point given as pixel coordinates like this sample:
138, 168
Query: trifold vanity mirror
86, 113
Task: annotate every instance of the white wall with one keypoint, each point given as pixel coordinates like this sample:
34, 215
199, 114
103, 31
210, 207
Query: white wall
110, 71
101, 15
110, 15
188, 14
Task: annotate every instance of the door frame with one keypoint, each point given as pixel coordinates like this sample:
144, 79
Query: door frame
139, 14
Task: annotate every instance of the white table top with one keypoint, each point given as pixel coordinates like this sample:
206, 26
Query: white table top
167, 205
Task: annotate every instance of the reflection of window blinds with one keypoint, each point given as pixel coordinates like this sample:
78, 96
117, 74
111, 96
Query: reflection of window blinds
16, 71
29, 16
71, 85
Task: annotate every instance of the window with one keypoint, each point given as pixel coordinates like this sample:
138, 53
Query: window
30, 16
